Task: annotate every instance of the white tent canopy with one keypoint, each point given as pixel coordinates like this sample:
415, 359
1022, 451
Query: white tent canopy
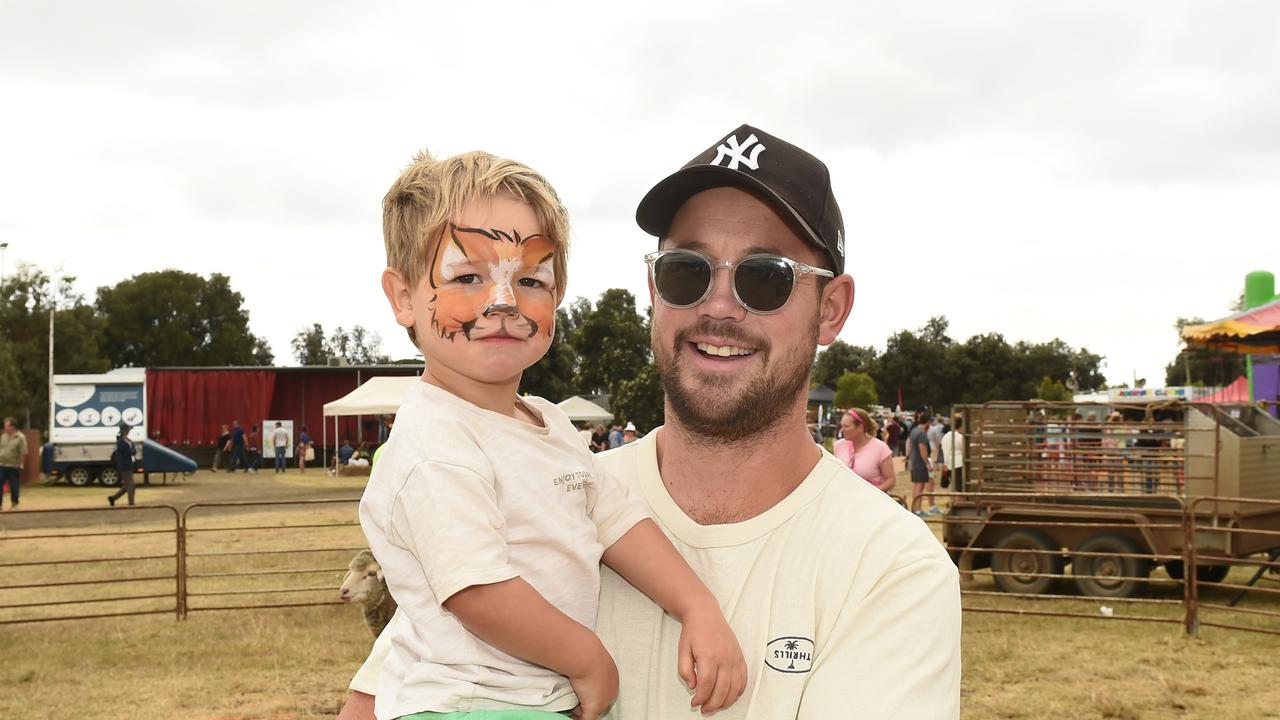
377, 396
580, 409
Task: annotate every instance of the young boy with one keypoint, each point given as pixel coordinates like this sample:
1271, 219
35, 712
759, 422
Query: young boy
487, 513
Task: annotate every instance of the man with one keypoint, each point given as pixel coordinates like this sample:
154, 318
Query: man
935, 432
920, 465
615, 436
844, 604
953, 454
280, 440
629, 434
894, 432
222, 446
123, 457
13, 456
237, 447
253, 455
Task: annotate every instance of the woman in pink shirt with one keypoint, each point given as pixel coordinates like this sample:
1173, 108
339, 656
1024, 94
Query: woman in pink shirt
860, 449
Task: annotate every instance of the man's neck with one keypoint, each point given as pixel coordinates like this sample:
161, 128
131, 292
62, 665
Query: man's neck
715, 483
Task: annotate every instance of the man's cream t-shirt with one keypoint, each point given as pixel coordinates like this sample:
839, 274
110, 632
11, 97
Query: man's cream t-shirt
845, 604
464, 496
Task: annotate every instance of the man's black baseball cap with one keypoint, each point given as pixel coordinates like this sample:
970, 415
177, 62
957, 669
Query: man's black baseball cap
797, 182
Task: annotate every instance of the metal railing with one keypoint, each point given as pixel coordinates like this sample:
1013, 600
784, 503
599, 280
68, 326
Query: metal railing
130, 551
1115, 557
272, 565
1104, 555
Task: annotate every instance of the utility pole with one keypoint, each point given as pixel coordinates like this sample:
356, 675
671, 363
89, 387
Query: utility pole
53, 307
3, 246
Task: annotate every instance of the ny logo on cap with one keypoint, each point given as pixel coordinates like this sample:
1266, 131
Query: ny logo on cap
734, 152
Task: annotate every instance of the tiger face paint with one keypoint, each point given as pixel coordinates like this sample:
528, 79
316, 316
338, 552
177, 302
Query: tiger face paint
492, 283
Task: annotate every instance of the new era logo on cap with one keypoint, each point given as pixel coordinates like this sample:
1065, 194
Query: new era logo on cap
797, 182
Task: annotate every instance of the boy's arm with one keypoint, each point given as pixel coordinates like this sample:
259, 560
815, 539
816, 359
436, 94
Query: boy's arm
513, 617
647, 559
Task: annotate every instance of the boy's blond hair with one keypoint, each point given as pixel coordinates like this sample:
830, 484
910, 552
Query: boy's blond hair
430, 193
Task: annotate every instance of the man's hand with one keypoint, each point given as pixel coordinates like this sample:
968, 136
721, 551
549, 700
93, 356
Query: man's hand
597, 688
710, 660
359, 706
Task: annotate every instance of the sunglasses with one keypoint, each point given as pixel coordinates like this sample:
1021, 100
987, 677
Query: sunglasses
762, 283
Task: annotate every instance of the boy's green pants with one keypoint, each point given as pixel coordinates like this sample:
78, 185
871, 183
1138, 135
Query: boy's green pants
488, 715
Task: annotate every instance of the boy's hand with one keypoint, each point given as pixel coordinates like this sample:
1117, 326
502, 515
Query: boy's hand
711, 661
596, 688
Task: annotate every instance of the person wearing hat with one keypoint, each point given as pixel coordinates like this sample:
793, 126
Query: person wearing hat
844, 603
629, 434
124, 460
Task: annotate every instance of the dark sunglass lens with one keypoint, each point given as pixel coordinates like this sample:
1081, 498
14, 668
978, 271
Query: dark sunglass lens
764, 283
681, 278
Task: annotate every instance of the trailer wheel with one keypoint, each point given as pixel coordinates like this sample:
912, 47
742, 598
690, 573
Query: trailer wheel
1023, 562
109, 477
79, 476
1113, 576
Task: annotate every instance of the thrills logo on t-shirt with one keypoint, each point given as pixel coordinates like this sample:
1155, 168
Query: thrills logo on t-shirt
574, 481
790, 654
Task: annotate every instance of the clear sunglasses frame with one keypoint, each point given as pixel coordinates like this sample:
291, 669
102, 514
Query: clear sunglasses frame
798, 270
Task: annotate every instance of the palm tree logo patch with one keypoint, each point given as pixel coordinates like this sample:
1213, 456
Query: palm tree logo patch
789, 654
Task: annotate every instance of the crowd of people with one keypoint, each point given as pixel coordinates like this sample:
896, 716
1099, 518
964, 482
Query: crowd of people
242, 450
932, 445
599, 440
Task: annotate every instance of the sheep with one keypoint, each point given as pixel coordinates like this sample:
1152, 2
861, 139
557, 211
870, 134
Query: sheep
365, 585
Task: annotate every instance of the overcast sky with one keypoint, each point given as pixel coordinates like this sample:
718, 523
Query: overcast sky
1085, 170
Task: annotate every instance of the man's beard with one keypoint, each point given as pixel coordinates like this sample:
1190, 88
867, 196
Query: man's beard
717, 414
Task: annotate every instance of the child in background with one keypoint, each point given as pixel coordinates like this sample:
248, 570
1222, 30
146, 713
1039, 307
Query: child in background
487, 512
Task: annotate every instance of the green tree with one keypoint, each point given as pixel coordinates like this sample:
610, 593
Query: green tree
839, 358
856, 390
309, 346
172, 317
26, 297
640, 399
916, 364
1052, 390
986, 367
612, 343
552, 376
358, 346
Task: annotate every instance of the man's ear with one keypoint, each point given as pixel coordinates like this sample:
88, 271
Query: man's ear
837, 302
400, 295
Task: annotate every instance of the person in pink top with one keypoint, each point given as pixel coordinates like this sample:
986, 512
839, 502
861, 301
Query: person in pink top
860, 449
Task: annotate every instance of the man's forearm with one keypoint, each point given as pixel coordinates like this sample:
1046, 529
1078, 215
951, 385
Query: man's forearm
646, 559
512, 616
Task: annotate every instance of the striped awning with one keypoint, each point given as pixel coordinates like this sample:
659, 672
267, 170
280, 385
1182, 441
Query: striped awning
1253, 331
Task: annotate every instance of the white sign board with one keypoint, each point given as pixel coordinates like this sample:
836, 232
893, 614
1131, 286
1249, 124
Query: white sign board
91, 412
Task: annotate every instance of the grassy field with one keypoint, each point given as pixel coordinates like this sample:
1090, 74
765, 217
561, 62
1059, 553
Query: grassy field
293, 664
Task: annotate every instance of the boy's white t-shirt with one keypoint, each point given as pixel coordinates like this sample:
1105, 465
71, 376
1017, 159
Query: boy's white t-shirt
464, 496
845, 605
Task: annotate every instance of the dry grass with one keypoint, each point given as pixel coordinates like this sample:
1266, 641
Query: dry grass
294, 664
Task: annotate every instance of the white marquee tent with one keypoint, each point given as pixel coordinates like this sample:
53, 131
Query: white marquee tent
581, 409
377, 396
